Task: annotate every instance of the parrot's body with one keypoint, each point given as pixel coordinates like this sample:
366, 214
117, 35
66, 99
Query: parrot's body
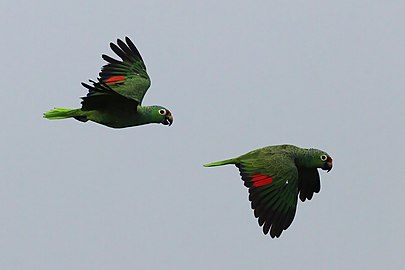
276, 176
115, 99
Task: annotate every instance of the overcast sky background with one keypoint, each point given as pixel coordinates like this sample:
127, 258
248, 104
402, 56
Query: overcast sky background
237, 75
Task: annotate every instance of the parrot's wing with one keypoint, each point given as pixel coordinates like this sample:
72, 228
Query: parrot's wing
309, 183
128, 76
102, 97
273, 190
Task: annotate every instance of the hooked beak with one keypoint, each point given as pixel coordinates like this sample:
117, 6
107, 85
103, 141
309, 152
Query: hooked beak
168, 120
328, 165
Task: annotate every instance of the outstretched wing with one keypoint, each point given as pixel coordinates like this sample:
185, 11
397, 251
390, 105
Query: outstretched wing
273, 190
128, 76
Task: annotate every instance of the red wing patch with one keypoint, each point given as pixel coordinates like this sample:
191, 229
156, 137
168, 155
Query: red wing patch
115, 79
261, 180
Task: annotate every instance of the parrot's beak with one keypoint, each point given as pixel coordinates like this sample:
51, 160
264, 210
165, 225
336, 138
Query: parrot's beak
329, 167
328, 164
168, 120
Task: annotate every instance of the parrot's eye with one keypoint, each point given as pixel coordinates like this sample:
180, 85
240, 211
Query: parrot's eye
162, 112
324, 157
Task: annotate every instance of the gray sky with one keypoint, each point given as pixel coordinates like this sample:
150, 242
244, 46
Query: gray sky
237, 75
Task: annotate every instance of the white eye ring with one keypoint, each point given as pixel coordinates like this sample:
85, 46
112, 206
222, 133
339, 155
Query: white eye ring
324, 157
162, 112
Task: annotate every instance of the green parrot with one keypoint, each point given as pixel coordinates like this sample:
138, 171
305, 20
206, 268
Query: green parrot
115, 99
276, 176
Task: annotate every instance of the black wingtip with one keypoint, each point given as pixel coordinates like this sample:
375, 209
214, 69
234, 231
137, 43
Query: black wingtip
118, 51
121, 43
109, 59
89, 87
131, 45
126, 51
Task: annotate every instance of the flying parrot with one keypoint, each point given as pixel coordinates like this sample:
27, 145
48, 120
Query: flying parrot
276, 176
115, 100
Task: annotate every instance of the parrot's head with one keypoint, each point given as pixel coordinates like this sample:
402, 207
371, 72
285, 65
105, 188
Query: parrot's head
163, 115
320, 159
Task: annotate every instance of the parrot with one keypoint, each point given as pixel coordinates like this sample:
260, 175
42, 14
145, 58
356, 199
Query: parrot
115, 100
275, 177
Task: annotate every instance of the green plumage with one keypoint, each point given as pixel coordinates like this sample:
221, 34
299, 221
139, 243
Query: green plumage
115, 99
276, 176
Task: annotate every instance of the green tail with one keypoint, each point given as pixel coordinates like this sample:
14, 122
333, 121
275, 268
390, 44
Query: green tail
60, 113
220, 163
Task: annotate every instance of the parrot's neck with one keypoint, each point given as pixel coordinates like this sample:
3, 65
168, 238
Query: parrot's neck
147, 115
304, 158
301, 158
